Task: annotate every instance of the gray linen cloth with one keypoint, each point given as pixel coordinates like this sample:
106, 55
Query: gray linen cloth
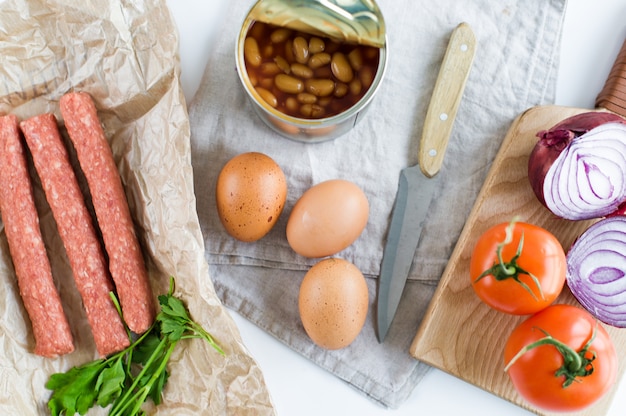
514, 69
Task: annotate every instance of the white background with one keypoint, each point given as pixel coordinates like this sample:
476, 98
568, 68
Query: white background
593, 34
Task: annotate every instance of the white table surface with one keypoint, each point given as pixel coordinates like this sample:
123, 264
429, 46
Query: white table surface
593, 34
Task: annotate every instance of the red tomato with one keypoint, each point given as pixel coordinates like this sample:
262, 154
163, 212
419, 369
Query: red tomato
534, 372
514, 291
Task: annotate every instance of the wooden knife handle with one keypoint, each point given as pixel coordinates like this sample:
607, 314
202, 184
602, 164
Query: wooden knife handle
613, 95
446, 98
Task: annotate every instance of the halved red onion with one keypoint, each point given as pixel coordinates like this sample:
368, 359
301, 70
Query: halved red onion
577, 169
596, 270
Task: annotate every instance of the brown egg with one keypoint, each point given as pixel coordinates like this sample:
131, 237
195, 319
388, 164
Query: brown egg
327, 218
333, 303
250, 195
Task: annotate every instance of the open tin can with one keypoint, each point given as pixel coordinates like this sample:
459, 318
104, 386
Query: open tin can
294, 98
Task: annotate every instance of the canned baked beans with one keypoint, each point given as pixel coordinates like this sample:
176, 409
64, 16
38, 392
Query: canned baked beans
307, 76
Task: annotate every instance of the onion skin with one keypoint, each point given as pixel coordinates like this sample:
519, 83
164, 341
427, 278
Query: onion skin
596, 270
553, 142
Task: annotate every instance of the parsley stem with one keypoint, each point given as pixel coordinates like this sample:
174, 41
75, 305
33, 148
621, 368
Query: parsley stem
124, 401
139, 396
198, 329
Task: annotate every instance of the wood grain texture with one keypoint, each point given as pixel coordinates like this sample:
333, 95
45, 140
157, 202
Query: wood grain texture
444, 103
459, 334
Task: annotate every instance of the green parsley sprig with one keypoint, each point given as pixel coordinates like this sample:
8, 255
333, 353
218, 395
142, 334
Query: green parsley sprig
128, 378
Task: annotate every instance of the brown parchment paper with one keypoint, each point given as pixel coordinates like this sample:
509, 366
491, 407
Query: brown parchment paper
125, 54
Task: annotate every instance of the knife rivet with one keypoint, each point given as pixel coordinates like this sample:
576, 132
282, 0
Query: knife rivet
443, 116
464, 47
432, 153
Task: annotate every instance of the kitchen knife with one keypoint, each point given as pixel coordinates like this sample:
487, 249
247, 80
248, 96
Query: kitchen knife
418, 183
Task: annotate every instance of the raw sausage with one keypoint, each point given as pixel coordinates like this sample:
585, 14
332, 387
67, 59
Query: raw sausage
51, 330
77, 231
126, 262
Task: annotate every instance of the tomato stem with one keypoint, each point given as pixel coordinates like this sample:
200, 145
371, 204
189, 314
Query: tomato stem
575, 363
502, 270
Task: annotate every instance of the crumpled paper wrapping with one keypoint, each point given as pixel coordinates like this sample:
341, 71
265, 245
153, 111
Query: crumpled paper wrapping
125, 54
514, 68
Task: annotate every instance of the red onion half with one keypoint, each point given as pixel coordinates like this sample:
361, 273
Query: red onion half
596, 270
577, 169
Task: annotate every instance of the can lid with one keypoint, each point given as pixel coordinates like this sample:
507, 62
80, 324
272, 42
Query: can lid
354, 21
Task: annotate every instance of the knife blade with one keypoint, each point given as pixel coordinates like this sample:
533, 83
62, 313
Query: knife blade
418, 183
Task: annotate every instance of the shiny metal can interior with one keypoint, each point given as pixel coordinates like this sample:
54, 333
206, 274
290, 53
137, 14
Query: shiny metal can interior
301, 129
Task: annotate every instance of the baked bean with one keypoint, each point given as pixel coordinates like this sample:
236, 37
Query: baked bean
268, 51
292, 105
316, 45
266, 83
257, 31
319, 59
355, 57
287, 83
301, 70
341, 67
341, 90
325, 101
312, 111
270, 69
307, 76
289, 56
268, 97
301, 49
355, 86
251, 52
280, 35
367, 77
254, 80
306, 98
319, 87
370, 52
282, 64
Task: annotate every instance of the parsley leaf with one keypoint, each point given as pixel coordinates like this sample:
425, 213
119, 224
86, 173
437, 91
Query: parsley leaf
172, 308
128, 378
145, 348
75, 390
110, 383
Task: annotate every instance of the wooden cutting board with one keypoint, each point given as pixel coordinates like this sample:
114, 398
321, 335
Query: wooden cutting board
459, 334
